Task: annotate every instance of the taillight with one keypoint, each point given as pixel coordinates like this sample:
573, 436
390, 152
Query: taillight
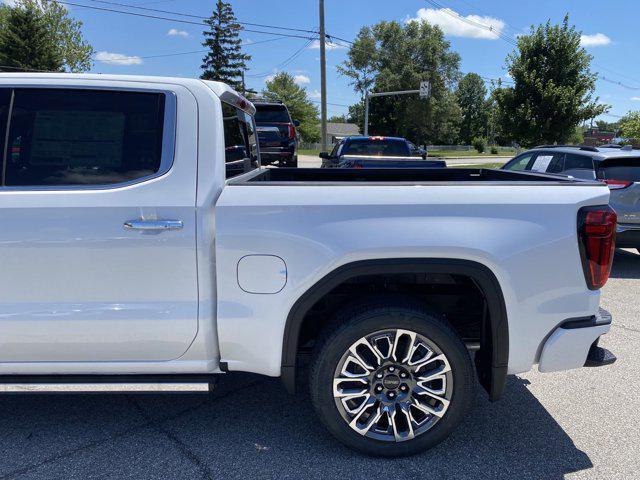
292, 131
617, 184
597, 241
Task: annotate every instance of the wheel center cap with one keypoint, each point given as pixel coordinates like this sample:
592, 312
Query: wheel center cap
391, 382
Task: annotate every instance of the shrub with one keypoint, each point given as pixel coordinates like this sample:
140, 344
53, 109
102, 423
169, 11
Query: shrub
480, 144
494, 150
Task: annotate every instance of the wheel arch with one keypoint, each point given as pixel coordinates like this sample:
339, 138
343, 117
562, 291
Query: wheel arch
491, 360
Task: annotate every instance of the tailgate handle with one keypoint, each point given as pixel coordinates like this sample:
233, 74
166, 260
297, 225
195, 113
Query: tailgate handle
153, 225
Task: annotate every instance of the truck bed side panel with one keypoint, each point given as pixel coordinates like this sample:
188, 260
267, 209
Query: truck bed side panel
525, 234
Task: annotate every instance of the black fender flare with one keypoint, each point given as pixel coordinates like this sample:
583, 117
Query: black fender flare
492, 360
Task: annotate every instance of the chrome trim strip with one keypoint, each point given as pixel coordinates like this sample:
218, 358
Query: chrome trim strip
153, 224
627, 227
102, 387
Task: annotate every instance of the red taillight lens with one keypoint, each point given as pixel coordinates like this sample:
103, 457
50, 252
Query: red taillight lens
292, 131
597, 237
617, 184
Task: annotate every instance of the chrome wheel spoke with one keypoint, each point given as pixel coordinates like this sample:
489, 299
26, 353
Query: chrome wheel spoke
438, 411
431, 359
363, 342
396, 416
371, 421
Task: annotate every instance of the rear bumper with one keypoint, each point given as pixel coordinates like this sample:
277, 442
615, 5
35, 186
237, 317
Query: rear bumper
627, 235
569, 344
280, 155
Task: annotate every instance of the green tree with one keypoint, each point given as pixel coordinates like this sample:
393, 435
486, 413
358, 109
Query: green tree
393, 56
225, 61
605, 126
554, 87
630, 125
338, 119
40, 35
471, 95
282, 87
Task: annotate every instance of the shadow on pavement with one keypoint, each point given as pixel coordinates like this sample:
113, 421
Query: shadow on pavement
250, 428
626, 264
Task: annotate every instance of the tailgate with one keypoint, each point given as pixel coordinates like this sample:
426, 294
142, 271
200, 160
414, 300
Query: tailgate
623, 177
361, 161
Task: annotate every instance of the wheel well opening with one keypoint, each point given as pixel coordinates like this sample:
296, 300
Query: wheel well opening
458, 298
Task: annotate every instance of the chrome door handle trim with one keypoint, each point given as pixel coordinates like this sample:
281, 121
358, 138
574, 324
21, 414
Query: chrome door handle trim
153, 225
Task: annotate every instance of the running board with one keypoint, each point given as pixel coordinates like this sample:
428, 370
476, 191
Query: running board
103, 384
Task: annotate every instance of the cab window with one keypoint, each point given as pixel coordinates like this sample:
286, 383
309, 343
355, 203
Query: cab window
519, 163
240, 141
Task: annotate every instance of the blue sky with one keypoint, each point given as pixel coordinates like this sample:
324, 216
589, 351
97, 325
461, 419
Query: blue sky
124, 43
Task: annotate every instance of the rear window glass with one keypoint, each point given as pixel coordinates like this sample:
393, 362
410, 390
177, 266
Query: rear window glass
389, 148
577, 162
627, 170
83, 137
272, 114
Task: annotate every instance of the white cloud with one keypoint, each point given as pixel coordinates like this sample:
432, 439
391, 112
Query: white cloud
301, 79
315, 94
595, 40
118, 58
174, 32
457, 25
635, 99
315, 45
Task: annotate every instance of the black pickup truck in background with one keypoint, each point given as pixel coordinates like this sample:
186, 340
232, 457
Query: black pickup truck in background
276, 134
376, 152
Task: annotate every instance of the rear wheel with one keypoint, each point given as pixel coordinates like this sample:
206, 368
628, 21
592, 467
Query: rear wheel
391, 379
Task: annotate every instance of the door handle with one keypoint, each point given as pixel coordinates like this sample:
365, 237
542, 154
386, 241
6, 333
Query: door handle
153, 225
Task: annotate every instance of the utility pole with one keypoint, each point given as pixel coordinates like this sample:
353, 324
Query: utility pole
323, 82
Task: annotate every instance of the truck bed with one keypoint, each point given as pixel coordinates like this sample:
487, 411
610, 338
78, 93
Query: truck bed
411, 176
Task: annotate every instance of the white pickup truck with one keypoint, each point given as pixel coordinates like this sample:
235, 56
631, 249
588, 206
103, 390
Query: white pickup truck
143, 247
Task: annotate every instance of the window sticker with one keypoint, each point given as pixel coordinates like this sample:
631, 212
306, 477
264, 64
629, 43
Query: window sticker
542, 163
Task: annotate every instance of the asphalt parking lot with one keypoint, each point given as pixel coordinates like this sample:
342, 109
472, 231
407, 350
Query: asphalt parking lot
577, 424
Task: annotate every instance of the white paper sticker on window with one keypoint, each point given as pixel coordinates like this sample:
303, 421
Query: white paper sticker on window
541, 163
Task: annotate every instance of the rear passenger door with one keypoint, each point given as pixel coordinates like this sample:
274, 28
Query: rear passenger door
97, 245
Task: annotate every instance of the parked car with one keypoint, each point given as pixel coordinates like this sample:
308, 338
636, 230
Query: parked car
617, 166
276, 134
377, 152
133, 259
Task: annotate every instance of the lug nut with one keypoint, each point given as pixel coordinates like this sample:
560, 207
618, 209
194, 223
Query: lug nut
391, 369
403, 388
403, 375
379, 388
391, 394
378, 375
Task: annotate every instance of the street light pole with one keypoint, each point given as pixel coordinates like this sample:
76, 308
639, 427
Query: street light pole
366, 113
323, 81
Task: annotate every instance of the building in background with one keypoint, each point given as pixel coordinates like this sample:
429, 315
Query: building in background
594, 137
337, 131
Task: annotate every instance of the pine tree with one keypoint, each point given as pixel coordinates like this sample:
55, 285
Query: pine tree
26, 44
225, 61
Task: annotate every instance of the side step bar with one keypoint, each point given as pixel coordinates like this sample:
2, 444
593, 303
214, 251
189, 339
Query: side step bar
103, 384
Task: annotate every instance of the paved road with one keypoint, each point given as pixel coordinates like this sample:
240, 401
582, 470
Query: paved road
578, 424
309, 161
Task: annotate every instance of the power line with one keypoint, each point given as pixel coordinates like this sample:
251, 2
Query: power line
284, 63
189, 15
204, 51
175, 20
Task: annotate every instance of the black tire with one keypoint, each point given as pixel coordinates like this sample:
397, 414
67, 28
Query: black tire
359, 320
292, 162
